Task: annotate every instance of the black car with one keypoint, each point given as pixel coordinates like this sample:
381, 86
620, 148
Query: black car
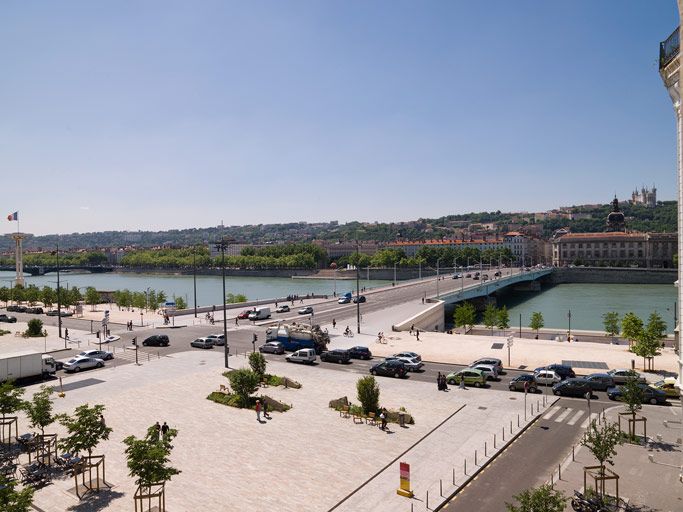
360, 352
360, 299
650, 395
35, 311
12, 308
573, 387
20, 309
599, 381
63, 312
157, 340
9, 319
564, 371
338, 355
522, 381
391, 368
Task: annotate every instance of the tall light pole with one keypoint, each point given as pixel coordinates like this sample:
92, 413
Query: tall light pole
59, 293
394, 274
437, 277
358, 286
221, 245
569, 319
194, 278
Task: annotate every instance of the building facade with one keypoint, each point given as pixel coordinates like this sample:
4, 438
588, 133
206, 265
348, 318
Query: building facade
645, 196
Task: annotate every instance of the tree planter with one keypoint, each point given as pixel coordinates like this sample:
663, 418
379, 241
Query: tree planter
632, 421
155, 492
600, 474
6, 429
87, 464
45, 447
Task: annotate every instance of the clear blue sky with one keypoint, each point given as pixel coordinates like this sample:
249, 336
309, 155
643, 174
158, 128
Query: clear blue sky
168, 114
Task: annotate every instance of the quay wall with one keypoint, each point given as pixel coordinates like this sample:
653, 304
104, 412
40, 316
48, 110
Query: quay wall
612, 275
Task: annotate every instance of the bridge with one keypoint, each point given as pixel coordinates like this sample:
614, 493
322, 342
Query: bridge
39, 270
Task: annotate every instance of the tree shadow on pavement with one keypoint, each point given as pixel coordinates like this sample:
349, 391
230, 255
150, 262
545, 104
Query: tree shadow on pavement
96, 501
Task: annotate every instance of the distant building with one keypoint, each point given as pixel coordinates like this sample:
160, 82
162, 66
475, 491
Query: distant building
645, 196
337, 249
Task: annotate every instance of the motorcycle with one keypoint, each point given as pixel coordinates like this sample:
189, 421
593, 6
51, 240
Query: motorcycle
581, 503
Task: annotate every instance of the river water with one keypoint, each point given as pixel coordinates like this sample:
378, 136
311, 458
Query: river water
588, 302
209, 288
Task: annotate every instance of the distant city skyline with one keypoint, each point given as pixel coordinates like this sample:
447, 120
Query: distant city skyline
166, 115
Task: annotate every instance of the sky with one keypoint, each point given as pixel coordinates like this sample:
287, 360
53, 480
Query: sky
166, 114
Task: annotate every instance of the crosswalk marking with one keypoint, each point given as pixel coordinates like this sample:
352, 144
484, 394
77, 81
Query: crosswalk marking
562, 416
575, 418
551, 413
593, 416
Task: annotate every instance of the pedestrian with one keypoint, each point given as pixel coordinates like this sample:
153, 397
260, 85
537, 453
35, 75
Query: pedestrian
237, 321
66, 334
102, 422
423, 300
258, 411
334, 324
417, 334
265, 409
438, 381
462, 383
412, 328
383, 419
157, 431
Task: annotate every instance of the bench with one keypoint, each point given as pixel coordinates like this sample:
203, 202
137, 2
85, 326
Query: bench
358, 416
224, 389
344, 411
370, 419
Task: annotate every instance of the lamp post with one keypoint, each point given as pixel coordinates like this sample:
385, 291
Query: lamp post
59, 293
437, 277
569, 319
394, 284
221, 245
358, 286
194, 278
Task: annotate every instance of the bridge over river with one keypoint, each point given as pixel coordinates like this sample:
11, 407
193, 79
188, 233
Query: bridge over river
39, 270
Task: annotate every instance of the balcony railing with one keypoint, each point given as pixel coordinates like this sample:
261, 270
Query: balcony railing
668, 49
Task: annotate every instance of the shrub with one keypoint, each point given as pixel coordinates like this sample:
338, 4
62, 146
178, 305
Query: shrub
35, 328
243, 382
258, 364
368, 393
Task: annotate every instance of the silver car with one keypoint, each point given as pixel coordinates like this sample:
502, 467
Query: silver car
412, 364
98, 354
489, 371
202, 343
78, 363
621, 376
217, 339
272, 347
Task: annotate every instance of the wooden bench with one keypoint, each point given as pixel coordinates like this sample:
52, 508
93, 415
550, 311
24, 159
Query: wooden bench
370, 419
344, 411
358, 416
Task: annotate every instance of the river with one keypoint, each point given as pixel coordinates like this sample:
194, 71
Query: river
588, 302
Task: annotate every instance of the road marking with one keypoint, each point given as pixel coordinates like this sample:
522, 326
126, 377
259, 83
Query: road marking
586, 422
673, 412
575, 418
564, 414
551, 413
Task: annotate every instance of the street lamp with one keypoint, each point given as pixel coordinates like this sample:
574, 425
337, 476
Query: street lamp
358, 286
194, 278
59, 293
437, 277
569, 319
221, 244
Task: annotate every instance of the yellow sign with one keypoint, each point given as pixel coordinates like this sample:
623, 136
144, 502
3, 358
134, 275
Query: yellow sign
404, 489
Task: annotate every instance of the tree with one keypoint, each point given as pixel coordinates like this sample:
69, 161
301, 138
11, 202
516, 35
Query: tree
656, 326
632, 395
85, 429
39, 409
368, 393
231, 298
152, 300
149, 457
631, 327
490, 316
536, 322
32, 294
12, 500
180, 303
464, 315
540, 499
503, 318
258, 364
646, 346
602, 443
610, 321
243, 382
48, 296
92, 297
161, 297
35, 328
10, 398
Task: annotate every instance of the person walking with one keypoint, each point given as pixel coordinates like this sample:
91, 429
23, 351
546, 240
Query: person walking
237, 321
102, 422
66, 334
383, 419
334, 324
258, 410
265, 410
417, 334
164, 431
438, 381
412, 328
157, 432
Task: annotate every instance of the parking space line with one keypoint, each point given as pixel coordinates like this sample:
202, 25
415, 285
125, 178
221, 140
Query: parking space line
552, 412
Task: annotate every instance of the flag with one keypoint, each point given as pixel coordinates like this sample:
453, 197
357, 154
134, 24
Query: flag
13, 216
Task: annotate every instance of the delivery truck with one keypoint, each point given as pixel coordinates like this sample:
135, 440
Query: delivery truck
26, 365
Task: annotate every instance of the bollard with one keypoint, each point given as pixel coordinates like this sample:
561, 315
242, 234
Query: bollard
453, 476
573, 459
485, 450
538, 407
503, 434
475, 457
440, 487
510, 427
518, 420
559, 472
427, 499
494, 440
465, 466
411, 507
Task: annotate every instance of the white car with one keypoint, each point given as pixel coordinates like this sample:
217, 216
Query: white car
97, 354
308, 310
110, 338
303, 355
217, 339
412, 364
78, 363
413, 355
282, 309
202, 343
489, 371
547, 377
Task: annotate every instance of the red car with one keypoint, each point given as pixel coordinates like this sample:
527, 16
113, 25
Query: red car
244, 315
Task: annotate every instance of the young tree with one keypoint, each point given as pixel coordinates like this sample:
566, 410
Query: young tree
92, 297
85, 429
10, 398
602, 443
632, 395
39, 409
32, 294
610, 321
35, 328
243, 382
540, 499
536, 322
368, 393
631, 327
180, 303
152, 300
464, 315
48, 296
149, 458
161, 297
490, 316
12, 500
656, 327
646, 346
258, 364
503, 319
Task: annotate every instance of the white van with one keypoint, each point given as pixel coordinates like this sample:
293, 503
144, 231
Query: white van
259, 314
304, 355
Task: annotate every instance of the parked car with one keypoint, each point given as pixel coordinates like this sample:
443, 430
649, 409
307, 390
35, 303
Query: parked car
272, 347
359, 352
412, 364
547, 377
573, 387
471, 377
337, 355
308, 310
156, 340
8, 318
202, 343
621, 376
599, 381
97, 354
519, 383
218, 340
490, 371
492, 361
468, 275
390, 368
476, 277
360, 299
344, 300
78, 363
457, 276
668, 385
650, 395
35, 310
564, 371
244, 314
110, 338
12, 308
56, 312
282, 309
303, 355
20, 309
